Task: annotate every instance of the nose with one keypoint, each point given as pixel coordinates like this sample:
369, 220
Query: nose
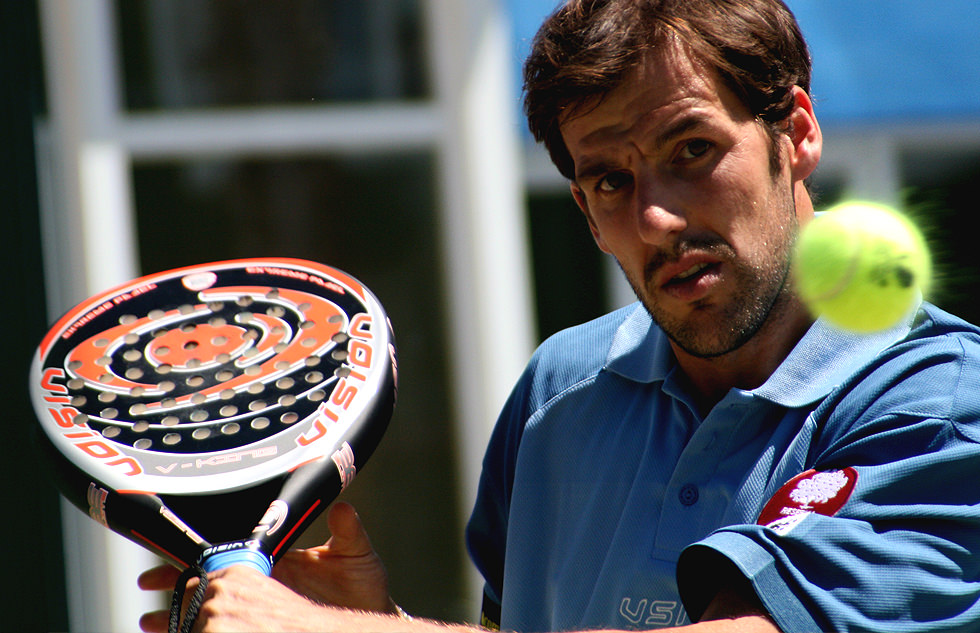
658, 214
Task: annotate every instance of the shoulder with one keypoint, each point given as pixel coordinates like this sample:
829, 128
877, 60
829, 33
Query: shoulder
575, 354
931, 374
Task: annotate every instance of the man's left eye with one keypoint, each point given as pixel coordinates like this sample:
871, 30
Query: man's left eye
694, 149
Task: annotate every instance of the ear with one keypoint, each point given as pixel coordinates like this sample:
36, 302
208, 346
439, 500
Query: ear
583, 204
805, 136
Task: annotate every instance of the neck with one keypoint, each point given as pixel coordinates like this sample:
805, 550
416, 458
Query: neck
750, 365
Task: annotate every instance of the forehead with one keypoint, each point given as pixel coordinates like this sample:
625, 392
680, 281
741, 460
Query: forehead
666, 86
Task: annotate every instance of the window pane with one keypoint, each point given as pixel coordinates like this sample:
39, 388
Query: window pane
940, 193
373, 217
189, 53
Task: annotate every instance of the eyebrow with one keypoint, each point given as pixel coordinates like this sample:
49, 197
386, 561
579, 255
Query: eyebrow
681, 127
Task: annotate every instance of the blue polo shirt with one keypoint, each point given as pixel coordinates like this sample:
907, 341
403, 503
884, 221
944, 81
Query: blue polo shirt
838, 488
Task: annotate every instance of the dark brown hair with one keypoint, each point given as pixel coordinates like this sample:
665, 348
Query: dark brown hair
587, 47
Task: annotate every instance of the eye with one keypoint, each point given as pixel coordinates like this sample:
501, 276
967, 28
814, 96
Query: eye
613, 181
692, 150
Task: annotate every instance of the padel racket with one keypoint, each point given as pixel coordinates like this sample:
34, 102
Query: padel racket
210, 413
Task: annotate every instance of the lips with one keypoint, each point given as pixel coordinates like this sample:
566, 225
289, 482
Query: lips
691, 278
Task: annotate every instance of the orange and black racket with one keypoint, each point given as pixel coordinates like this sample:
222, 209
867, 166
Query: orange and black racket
210, 413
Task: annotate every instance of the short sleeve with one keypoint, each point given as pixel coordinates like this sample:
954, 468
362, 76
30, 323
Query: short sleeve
894, 543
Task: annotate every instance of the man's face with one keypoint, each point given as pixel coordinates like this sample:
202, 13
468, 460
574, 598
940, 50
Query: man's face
674, 176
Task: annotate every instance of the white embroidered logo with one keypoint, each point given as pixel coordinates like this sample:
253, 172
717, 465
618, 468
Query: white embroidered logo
820, 488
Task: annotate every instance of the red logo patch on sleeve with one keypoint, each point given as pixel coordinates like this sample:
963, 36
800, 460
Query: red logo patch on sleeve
810, 492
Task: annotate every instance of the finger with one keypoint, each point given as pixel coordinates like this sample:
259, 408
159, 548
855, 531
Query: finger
162, 578
347, 535
155, 621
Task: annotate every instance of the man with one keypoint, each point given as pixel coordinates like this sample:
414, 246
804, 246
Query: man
711, 454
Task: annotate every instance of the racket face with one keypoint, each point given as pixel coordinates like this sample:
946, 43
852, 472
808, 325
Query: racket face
216, 377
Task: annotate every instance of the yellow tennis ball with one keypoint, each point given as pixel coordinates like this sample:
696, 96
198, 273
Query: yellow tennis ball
862, 266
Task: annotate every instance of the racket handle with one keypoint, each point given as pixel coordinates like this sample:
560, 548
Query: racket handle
249, 557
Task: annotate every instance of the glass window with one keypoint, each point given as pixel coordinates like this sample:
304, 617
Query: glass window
940, 192
373, 217
190, 54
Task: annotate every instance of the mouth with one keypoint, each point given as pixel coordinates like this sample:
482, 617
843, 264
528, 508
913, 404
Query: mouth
692, 281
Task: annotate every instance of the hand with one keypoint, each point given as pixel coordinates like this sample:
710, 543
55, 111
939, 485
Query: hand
345, 571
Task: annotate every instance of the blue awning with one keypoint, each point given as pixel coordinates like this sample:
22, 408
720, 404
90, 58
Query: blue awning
882, 62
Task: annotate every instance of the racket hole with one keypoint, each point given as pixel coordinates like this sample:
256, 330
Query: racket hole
317, 395
276, 311
132, 355
308, 342
278, 330
74, 365
313, 377
228, 410
303, 307
305, 325
244, 302
272, 294
245, 317
163, 350
250, 352
134, 373
170, 420
215, 306
198, 398
218, 321
131, 339
111, 431
282, 365
340, 337
106, 397
279, 348
257, 405
141, 426
201, 434
230, 429
224, 375
137, 409
285, 383
256, 388
75, 384
250, 335
287, 400
186, 309
105, 378
167, 386
80, 420
137, 392
193, 363
143, 443
260, 423
164, 368
312, 361
342, 372
78, 401
289, 417
339, 355
198, 415
335, 318
101, 342
110, 413
156, 314
104, 361
171, 438
168, 403
191, 345
227, 394
195, 381
127, 319
223, 358
219, 340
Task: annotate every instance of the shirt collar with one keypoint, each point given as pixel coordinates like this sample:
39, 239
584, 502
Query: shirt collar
821, 360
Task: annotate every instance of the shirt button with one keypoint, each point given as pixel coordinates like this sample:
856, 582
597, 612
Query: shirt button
688, 494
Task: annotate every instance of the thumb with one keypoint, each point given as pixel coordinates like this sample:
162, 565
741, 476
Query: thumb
347, 535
